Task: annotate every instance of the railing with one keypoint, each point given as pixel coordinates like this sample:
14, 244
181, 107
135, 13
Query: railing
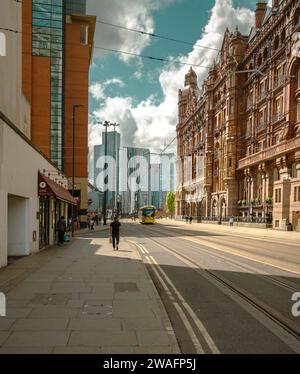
280, 81
262, 95
278, 117
262, 126
263, 220
250, 106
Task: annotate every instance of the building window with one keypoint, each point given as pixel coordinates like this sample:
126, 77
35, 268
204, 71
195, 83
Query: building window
294, 170
278, 195
297, 193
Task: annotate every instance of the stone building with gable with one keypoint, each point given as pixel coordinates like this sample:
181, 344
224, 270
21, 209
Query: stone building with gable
239, 135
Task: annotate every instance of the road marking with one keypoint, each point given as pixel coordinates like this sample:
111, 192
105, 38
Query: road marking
211, 245
188, 326
142, 250
266, 321
190, 311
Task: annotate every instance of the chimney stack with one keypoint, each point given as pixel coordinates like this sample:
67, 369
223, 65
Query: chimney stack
260, 13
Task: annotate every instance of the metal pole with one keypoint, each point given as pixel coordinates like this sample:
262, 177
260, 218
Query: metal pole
73, 162
105, 191
73, 168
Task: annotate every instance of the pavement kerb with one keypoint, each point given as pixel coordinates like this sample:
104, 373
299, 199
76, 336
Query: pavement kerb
165, 318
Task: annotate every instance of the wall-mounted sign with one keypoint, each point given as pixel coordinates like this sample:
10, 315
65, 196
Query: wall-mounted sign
43, 188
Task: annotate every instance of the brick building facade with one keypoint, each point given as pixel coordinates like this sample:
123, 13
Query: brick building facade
239, 134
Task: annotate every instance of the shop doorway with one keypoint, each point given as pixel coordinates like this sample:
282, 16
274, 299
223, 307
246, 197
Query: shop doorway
44, 223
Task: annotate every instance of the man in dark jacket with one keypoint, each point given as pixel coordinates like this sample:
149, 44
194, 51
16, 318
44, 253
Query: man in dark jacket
115, 233
61, 229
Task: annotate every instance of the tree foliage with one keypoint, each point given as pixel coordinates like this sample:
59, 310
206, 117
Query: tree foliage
170, 201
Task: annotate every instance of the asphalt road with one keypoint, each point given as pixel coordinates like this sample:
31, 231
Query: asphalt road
224, 292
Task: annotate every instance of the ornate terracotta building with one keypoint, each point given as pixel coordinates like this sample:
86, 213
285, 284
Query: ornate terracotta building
239, 135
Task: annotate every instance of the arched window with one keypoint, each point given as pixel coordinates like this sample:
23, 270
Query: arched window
298, 78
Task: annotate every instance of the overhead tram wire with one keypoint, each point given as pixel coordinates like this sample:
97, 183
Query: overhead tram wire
161, 59
157, 35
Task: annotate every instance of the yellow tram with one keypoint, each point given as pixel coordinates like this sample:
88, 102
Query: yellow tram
147, 214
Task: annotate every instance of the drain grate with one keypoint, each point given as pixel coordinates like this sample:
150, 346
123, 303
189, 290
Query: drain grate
50, 299
126, 287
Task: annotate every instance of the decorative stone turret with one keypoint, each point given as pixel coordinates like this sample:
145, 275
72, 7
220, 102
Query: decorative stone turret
191, 79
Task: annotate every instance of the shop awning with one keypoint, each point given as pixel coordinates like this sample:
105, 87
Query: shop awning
47, 187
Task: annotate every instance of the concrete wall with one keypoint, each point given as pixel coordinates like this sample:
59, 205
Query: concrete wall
19, 166
12, 101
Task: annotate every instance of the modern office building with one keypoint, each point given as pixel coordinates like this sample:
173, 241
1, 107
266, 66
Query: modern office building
162, 179
132, 200
113, 147
240, 132
57, 51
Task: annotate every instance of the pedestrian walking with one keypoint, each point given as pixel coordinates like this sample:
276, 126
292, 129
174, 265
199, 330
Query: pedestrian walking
61, 229
115, 233
89, 223
97, 219
231, 220
187, 219
92, 223
191, 219
100, 219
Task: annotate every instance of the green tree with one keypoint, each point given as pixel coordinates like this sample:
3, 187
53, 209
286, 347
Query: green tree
170, 201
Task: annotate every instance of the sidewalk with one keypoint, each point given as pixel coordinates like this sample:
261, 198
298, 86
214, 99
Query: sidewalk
271, 234
83, 298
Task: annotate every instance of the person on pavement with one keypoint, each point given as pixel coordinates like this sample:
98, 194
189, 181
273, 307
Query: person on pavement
61, 229
115, 232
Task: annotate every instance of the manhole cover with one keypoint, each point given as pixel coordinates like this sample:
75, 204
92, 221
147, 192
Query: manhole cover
50, 299
97, 310
125, 287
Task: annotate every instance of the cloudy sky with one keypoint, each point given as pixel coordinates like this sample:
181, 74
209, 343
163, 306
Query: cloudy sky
139, 94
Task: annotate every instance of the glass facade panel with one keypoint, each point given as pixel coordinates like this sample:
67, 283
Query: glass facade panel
48, 40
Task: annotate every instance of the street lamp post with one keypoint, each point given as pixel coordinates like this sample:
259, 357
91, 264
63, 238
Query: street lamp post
75, 106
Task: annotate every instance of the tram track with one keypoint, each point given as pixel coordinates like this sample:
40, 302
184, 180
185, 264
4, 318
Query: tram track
224, 284
290, 285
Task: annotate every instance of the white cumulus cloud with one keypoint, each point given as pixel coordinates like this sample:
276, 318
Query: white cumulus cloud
150, 124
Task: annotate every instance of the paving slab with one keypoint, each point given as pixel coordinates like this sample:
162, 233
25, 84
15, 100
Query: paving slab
37, 339
83, 298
